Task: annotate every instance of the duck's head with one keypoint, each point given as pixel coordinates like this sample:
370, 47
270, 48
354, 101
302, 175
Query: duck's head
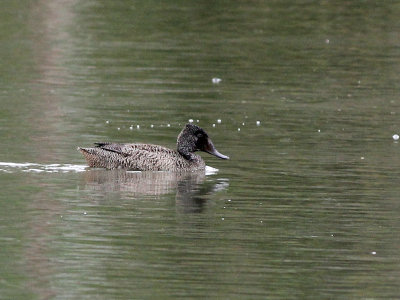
193, 138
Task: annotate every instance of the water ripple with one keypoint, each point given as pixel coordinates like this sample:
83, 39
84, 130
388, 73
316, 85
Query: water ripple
11, 167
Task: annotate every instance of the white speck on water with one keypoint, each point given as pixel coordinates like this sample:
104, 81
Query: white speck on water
107, 122
211, 170
151, 126
85, 213
373, 253
222, 219
229, 200
319, 130
168, 125
138, 126
243, 124
260, 221
131, 127
197, 121
213, 125
118, 128
238, 129
396, 137
190, 120
327, 41
216, 80
258, 123
362, 157
219, 121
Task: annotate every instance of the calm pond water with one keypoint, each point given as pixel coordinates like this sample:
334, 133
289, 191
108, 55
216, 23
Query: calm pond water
308, 207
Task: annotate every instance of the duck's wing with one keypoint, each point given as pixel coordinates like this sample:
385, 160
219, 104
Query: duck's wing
112, 147
133, 149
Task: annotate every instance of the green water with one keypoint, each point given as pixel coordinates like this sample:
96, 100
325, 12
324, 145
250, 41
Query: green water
308, 205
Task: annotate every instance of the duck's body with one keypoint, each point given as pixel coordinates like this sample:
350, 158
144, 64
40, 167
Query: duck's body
142, 157
148, 157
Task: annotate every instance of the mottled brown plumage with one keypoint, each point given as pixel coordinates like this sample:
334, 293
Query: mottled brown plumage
147, 157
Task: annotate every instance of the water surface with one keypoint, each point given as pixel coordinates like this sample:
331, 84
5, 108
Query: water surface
306, 208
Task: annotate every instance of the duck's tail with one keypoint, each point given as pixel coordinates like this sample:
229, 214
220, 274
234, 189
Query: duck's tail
90, 156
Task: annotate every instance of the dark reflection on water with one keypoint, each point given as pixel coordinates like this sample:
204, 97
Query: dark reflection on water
190, 188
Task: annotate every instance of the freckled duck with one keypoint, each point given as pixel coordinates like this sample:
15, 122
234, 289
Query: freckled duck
147, 157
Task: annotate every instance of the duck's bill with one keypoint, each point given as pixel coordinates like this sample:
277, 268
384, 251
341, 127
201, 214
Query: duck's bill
219, 155
211, 149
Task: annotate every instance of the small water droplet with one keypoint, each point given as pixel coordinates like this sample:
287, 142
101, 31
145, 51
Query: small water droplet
216, 80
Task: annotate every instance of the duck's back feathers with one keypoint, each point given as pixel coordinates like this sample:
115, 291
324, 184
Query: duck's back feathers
143, 157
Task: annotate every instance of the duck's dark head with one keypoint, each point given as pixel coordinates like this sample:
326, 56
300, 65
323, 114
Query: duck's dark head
193, 138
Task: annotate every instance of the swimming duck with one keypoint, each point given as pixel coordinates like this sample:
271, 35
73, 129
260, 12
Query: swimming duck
147, 157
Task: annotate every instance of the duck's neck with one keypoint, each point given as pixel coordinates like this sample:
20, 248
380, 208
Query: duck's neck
186, 153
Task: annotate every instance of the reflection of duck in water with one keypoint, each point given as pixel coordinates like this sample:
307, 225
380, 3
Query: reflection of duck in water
191, 188
140, 183
147, 157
